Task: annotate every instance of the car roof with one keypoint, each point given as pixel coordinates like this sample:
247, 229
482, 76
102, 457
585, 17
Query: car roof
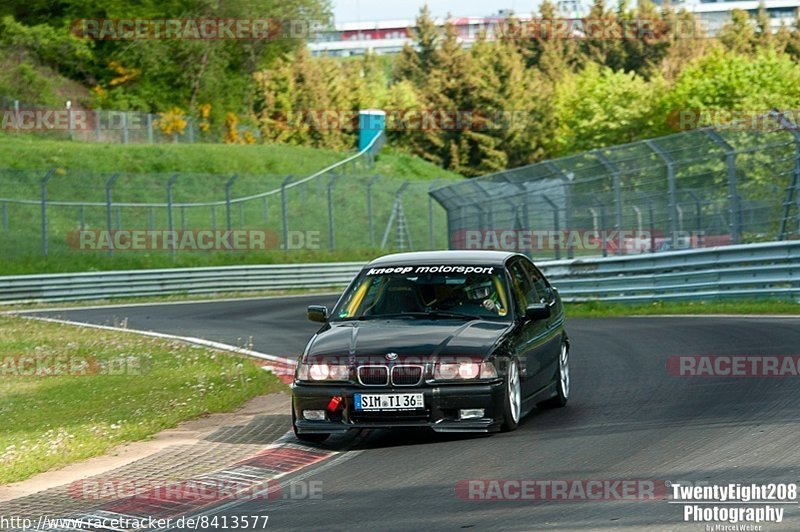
489, 258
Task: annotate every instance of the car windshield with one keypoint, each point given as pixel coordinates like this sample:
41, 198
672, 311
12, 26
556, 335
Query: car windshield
426, 292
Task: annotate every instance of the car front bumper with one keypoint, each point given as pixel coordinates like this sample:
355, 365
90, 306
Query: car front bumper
441, 412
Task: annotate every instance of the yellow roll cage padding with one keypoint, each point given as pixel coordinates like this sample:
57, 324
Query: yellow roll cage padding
498, 286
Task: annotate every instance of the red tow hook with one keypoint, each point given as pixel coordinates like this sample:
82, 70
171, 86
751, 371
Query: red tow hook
334, 403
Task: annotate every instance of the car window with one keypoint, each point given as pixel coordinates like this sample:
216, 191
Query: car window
466, 290
521, 285
540, 291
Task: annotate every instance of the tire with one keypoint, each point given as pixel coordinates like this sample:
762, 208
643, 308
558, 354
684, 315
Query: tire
562, 381
512, 400
309, 438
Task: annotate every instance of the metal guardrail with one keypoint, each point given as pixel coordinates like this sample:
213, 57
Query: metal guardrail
745, 271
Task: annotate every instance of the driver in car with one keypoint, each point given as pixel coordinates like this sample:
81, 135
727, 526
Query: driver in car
477, 292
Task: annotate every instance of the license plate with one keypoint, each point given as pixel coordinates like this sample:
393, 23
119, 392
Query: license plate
390, 401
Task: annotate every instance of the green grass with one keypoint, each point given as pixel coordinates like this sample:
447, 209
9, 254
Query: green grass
51, 421
610, 310
83, 168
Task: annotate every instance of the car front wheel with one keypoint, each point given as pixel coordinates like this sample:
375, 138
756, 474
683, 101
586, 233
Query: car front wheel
513, 398
562, 381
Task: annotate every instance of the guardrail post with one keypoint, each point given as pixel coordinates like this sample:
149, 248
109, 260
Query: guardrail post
331, 230
370, 219
616, 176
556, 224
673, 189
284, 216
43, 184
109, 228
228, 186
169, 214
734, 205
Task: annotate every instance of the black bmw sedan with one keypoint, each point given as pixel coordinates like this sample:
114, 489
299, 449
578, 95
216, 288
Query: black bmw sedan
458, 341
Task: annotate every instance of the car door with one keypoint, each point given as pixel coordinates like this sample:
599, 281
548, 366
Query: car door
532, 338
550, 341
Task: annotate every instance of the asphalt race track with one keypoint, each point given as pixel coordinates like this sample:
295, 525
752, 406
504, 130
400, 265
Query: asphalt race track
628, 418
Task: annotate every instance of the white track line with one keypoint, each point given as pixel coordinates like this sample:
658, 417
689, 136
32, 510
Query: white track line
185, 339
165, 303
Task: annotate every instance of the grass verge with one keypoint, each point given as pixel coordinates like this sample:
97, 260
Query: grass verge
597, 309
106, 388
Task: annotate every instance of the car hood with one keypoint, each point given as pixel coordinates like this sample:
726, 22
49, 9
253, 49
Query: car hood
361, 340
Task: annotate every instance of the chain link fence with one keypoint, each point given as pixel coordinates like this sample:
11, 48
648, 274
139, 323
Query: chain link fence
67, 214
694, 189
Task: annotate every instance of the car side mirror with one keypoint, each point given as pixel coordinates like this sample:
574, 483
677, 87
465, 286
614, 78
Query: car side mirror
537, 311
318, 313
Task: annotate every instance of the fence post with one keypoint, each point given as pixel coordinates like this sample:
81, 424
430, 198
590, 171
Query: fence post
241, 215
265, 205
125, 127
566, 178
602, 228
556, 223
616, 175
82, 217
151, 222
284, 216
734, 205
228, 186
370, 220
169, 213
149, 128
5, 217
698, 215
109, 228
673, 189
44, 181
331, 230
794, 185
214, 217
97, 118
431, 232
183, 217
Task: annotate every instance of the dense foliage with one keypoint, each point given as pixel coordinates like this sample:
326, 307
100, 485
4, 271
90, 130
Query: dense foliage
514, 100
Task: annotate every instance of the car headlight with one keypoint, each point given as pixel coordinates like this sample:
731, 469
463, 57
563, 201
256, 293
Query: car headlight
323, 372
464, 371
